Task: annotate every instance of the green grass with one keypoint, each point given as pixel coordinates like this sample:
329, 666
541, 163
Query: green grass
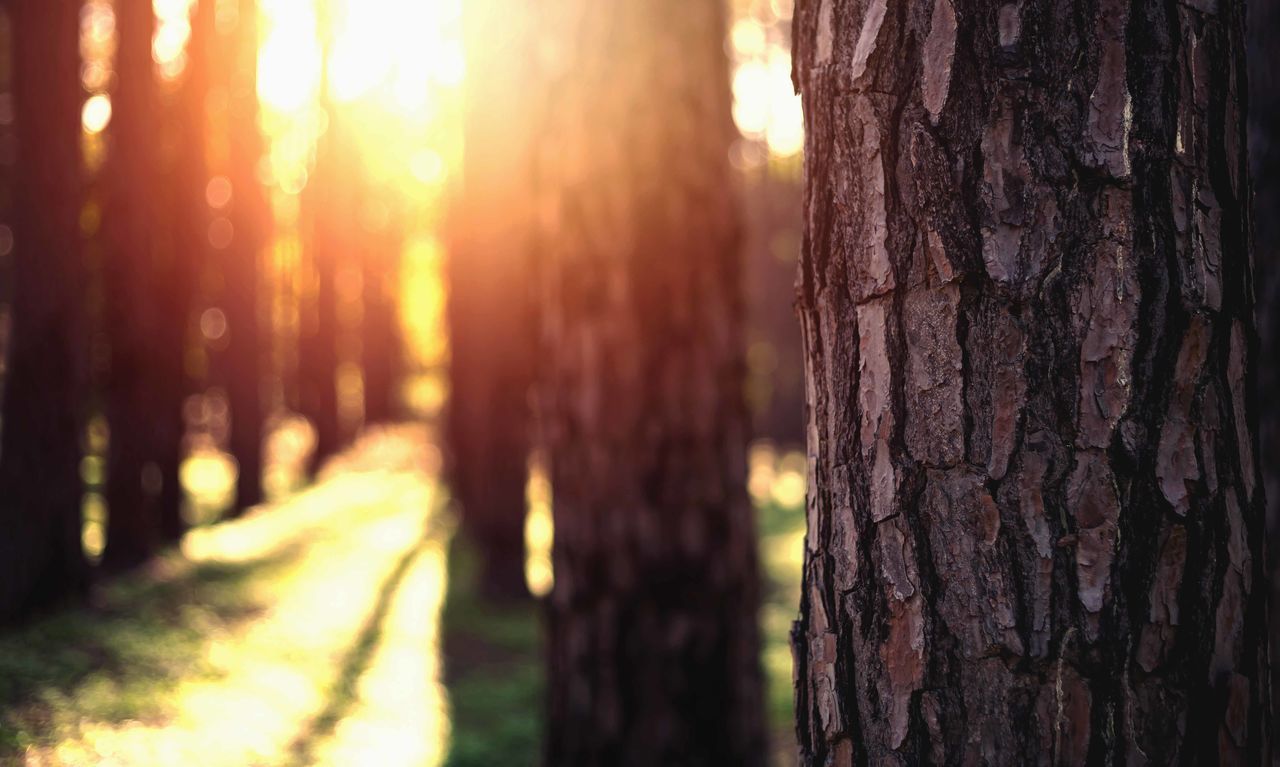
121, 657
493, 669
779, 530
493, 657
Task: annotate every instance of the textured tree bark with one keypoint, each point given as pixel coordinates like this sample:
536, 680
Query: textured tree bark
133, 311
1264, 157
41, 561
251, 221
1035, 516
652, 622
490, 314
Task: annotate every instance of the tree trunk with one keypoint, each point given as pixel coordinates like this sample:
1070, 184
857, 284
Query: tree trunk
134, 480
490, 317
652, 622
775, 384
318, 345
380, 324
1264, 156
1035, 516
251, 220
42, 561
183, 245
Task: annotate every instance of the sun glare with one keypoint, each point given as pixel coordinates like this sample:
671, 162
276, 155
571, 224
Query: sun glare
173, 30
765, 105
391, 69
289, 56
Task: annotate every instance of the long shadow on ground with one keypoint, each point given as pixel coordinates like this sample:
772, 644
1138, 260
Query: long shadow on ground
115, 659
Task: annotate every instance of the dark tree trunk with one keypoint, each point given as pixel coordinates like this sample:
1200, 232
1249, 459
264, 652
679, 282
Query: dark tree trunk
41, 560
490, 317
775, 384
331, 203
251, 221
1035, 520
1264, 155
318, 355
652, 622
132, 212
380, 324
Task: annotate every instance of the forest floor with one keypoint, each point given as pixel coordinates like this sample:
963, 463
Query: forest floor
296, 636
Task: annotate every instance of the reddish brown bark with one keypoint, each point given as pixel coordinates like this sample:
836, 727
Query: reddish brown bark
1035, 520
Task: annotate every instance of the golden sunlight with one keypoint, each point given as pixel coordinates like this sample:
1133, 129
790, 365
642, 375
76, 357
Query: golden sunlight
765, 106
305, 158
173, 30
289, 59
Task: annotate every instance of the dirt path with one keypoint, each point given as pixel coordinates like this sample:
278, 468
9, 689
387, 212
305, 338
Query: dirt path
338, 665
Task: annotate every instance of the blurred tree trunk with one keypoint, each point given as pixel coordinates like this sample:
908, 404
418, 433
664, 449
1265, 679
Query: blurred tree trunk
775, 384
380, 326
181, 244
1264, 155
242, 273
1035, 520
332, 204
131, 216
652, 621
490, 317
41, 560
331, 210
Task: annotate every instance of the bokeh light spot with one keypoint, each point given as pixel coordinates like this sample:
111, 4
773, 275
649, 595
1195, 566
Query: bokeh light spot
221, 233
96, 114
218, 192
213, 324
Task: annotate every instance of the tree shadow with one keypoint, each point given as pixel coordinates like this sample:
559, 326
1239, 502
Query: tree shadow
114, 659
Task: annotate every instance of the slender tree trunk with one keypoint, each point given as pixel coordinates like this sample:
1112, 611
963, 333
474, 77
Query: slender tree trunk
332, 210
490, 317
318, 356
42, 561
775, 386
134, 480
184, 244
380, 325
251, 221
652, 623
1035, 516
